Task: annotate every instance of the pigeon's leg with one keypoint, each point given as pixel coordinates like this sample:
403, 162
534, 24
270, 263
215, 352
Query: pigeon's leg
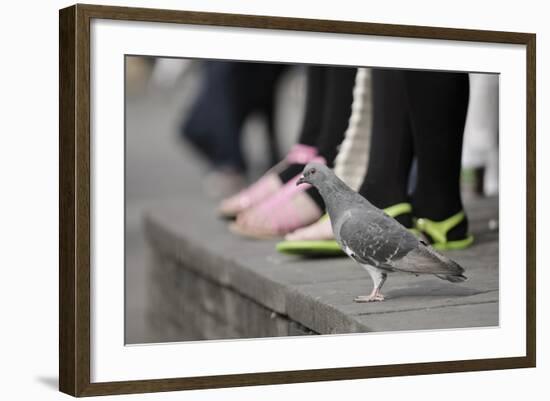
378, 277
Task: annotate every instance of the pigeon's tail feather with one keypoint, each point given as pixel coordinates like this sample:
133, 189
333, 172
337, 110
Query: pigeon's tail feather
455, 269
425, 259
453, 279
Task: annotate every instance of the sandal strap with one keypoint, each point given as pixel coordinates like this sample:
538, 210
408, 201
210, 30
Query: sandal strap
438, 229
455, 245
398, 209
301, 154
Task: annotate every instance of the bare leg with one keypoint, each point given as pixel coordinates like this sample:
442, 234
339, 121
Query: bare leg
378, 278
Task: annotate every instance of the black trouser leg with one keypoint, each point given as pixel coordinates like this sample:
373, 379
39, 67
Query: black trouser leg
328, 109
438, 103
336, 111
311, 125
315, 98
391, 148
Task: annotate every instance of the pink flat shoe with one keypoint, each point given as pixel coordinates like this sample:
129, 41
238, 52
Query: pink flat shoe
267, 185
285, 211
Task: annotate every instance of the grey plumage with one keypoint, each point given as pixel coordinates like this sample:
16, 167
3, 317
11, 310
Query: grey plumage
372, 238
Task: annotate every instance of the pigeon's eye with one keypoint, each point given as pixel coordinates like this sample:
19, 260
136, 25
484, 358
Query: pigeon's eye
312, 171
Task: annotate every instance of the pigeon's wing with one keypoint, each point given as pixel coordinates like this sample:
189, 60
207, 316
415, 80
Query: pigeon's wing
425, 259
376, 239
372, 237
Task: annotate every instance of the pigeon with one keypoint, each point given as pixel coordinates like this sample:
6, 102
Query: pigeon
376, 241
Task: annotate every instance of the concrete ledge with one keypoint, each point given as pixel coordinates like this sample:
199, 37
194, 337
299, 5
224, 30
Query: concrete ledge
208, 283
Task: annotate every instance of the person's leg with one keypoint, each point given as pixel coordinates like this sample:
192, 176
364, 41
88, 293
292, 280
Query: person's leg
330, 95
328, 110
311, 125
438, 103
391, 148
315, 99
350, 166
264, 79
336, 111
480, 144
213, 125
300, 154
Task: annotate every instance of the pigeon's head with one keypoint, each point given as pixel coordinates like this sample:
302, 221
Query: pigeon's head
314, 174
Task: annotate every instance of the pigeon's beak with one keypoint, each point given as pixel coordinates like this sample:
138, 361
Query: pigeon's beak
301, 180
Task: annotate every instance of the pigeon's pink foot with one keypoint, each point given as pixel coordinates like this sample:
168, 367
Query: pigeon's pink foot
321, 230
375, 296
267, 185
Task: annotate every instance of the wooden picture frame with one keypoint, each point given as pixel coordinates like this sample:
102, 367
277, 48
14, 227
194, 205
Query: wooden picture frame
74, 199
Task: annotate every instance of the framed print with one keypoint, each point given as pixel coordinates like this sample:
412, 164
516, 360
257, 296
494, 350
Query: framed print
250, 200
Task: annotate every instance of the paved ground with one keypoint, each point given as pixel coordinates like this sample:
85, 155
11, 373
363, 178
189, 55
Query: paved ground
163, 179
318, 293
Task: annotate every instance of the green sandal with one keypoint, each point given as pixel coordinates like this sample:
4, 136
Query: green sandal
331, 247
437, 231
